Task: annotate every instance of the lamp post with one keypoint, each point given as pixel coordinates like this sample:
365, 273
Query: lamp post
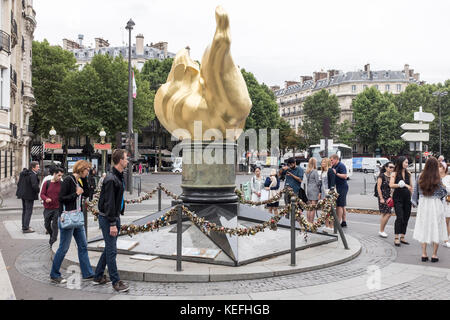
129, 27
103, 135
52, 133
440, 94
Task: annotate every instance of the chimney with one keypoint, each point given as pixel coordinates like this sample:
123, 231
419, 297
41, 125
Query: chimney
140, 45
319, 76
290, 83
407, 71
367, 68
303, 79
332, 73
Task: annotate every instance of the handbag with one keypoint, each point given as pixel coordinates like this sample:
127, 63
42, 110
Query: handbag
390, 202
74, 218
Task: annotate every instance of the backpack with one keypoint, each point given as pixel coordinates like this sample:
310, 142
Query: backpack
375, 191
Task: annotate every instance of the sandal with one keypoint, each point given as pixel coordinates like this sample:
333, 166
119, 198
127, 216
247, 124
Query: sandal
397, 242
402, 240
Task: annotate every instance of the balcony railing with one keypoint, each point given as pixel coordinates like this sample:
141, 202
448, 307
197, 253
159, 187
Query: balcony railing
5, 42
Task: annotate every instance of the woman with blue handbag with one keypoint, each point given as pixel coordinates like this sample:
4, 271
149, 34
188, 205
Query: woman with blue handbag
71, 223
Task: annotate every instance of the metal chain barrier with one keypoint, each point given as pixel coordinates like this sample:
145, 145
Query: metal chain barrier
326, 205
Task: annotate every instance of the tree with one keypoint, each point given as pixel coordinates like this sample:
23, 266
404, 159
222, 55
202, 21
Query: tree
344, 133
51, 64
389, 131
317, 108
366, 108
264, 113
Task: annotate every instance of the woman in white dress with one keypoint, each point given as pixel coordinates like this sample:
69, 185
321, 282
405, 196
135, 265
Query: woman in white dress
257, 184
430, 221
443, 170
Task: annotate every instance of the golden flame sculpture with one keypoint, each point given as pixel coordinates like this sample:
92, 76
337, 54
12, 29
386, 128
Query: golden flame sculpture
215, 93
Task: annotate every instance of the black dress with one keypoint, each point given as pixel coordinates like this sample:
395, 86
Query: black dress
402, 204
385, 193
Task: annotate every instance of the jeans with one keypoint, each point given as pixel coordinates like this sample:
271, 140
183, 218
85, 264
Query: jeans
51, 223
27, 211
64, 244
108, 257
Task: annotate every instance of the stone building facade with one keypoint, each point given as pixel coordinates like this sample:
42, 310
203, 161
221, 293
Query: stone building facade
139, 52
17, 25
346, 86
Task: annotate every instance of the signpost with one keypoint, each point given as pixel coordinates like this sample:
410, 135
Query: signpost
418, 137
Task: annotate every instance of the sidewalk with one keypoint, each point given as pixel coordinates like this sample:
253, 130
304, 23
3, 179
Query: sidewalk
6, 289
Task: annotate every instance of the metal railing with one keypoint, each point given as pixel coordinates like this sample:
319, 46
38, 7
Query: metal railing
5, 42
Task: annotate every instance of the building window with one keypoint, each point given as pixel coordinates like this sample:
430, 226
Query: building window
6, 164
387, 88
11, 164
365, 149
355, 148
353, 88
365, 87
399, 88
376, 86
1, 89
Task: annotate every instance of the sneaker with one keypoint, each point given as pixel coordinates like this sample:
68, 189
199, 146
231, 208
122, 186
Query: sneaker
446, 244
91, 278
59, 280
383, 234
29, 230
120, 286
101, 281
344, 224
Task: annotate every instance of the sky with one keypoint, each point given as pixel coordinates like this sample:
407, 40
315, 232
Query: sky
275, 40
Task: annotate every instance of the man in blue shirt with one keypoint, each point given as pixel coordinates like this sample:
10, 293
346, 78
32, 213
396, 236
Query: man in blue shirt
294, 176
341, 187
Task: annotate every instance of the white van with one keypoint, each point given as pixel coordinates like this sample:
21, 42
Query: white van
372, 164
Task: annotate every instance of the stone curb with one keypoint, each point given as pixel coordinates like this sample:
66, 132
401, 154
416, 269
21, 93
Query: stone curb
164, 270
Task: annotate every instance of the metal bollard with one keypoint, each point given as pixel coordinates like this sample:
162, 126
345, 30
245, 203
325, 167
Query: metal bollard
179, 234
365, 187
337, 227
293, 199
85, 217
159, 197
140, 187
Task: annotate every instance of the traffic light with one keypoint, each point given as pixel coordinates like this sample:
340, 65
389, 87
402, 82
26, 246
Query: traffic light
121, 140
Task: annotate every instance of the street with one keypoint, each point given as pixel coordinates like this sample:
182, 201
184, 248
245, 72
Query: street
27, 258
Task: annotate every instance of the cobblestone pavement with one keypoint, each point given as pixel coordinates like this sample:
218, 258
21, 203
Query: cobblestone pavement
35, 263
421, 288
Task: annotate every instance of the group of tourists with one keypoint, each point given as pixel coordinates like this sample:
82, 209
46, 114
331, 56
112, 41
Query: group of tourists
429, 194
309, 185
63, 196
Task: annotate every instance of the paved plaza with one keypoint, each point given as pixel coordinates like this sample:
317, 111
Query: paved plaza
379, 270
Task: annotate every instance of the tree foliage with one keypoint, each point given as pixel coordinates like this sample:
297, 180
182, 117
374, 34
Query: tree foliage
317, 108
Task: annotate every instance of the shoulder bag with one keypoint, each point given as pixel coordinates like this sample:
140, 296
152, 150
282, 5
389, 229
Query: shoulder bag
72, 219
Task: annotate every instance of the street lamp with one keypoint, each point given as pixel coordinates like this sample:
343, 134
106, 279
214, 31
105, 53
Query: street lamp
103, 135
129, 27
440, 94
52, 133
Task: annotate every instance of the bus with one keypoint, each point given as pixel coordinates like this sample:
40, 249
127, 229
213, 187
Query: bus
344, 152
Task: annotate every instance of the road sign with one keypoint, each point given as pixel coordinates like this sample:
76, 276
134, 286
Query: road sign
416, 136
53, 146
423, 116
102, 146
415, 126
